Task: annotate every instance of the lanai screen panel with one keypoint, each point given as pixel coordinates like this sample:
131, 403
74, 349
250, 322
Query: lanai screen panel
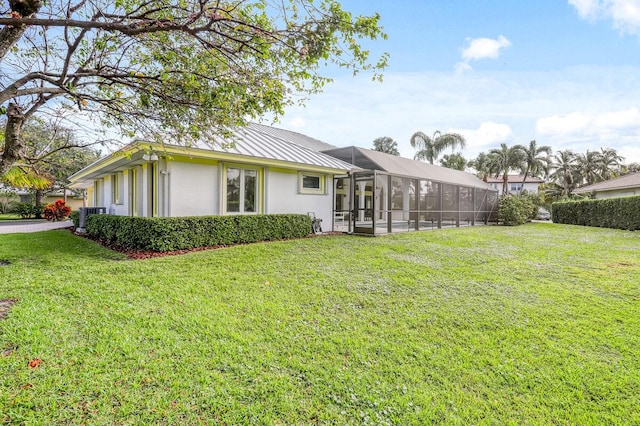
407, 195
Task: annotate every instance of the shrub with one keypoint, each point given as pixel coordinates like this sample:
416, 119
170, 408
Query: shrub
56, 211
515, 210
178, 233
617, 213
27, 210
75, 218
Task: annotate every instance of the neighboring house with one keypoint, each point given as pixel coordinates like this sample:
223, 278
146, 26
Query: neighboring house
516, 185
259, 170
262, 169
624, 186
13, 195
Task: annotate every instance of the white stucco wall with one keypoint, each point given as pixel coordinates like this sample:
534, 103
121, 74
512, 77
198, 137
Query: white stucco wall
193, 189
281, 196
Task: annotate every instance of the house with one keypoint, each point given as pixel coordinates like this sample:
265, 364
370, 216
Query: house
623, 186
516, 184
259, 170
262, 169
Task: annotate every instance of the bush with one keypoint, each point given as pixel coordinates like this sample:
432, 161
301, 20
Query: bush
56, 211
616, 213
179, 233
27, 210
515, 210
75, 218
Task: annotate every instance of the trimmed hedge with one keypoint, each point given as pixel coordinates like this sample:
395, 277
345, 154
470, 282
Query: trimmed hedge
616, 213
179, 233
75, 218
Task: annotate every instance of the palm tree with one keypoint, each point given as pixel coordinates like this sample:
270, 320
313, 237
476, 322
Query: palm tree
429, 149
589, 166
536, 159
565, 171
483, 166
610, 163
504, 160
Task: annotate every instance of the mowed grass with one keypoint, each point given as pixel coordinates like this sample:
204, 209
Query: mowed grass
538, 324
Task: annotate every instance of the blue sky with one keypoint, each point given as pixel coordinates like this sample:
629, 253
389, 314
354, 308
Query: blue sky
565, 73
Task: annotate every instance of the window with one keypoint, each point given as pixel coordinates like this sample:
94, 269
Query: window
310, 183
515, 187
241, 190
117, 188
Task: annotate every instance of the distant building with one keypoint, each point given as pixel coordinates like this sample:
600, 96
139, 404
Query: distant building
624, 186
516, 185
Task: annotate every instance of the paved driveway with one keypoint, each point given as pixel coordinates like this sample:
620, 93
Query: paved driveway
11, 227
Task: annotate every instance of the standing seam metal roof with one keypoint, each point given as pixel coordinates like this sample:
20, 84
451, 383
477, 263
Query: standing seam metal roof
252, 142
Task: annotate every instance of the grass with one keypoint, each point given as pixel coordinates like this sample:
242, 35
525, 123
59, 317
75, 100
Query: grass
9, 216
538, 324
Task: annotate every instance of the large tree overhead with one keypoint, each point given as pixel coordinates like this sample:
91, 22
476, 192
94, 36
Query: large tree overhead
169, 70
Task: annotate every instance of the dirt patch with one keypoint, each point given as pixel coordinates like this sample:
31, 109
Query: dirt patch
5, 305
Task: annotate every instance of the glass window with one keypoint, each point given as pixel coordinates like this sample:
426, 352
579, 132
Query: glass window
309, 183
242, 190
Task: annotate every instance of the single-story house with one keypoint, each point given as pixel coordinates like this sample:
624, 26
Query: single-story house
623, 186
256, 171
516, 184
262, 169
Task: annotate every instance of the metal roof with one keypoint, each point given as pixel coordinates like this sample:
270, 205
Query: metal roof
369, 159
260, 142
623, 182
295, 137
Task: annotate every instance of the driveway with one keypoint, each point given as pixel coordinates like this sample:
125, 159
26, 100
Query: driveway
14, 227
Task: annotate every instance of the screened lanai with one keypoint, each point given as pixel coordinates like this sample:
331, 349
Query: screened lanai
395, 194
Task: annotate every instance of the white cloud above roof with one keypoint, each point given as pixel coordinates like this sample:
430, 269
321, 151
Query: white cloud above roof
624, 14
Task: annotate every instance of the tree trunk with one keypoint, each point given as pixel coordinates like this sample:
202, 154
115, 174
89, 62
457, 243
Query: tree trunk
10, 35
505, 183
14, 149
39, 197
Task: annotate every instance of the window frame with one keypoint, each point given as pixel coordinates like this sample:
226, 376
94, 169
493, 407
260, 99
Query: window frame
258, 199
322, 190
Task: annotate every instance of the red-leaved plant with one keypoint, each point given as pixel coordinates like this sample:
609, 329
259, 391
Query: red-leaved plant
56, 211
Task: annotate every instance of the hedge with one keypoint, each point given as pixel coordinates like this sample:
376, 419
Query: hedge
179, 233
617, 213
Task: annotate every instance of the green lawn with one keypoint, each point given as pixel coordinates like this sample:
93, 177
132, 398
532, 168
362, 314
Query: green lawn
538, 324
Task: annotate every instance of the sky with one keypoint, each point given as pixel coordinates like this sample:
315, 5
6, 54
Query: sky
565, 73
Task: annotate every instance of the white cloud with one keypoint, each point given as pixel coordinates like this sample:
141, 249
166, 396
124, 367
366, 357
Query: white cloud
624, 14
606, 127
481, 48
487, 136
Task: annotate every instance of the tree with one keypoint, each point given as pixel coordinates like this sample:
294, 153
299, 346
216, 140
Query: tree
589, 167
484, 167
610, 163
453, 161
180, 71
536, 159
430, 148
387, 145
52, 154
565, 173
505, 159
